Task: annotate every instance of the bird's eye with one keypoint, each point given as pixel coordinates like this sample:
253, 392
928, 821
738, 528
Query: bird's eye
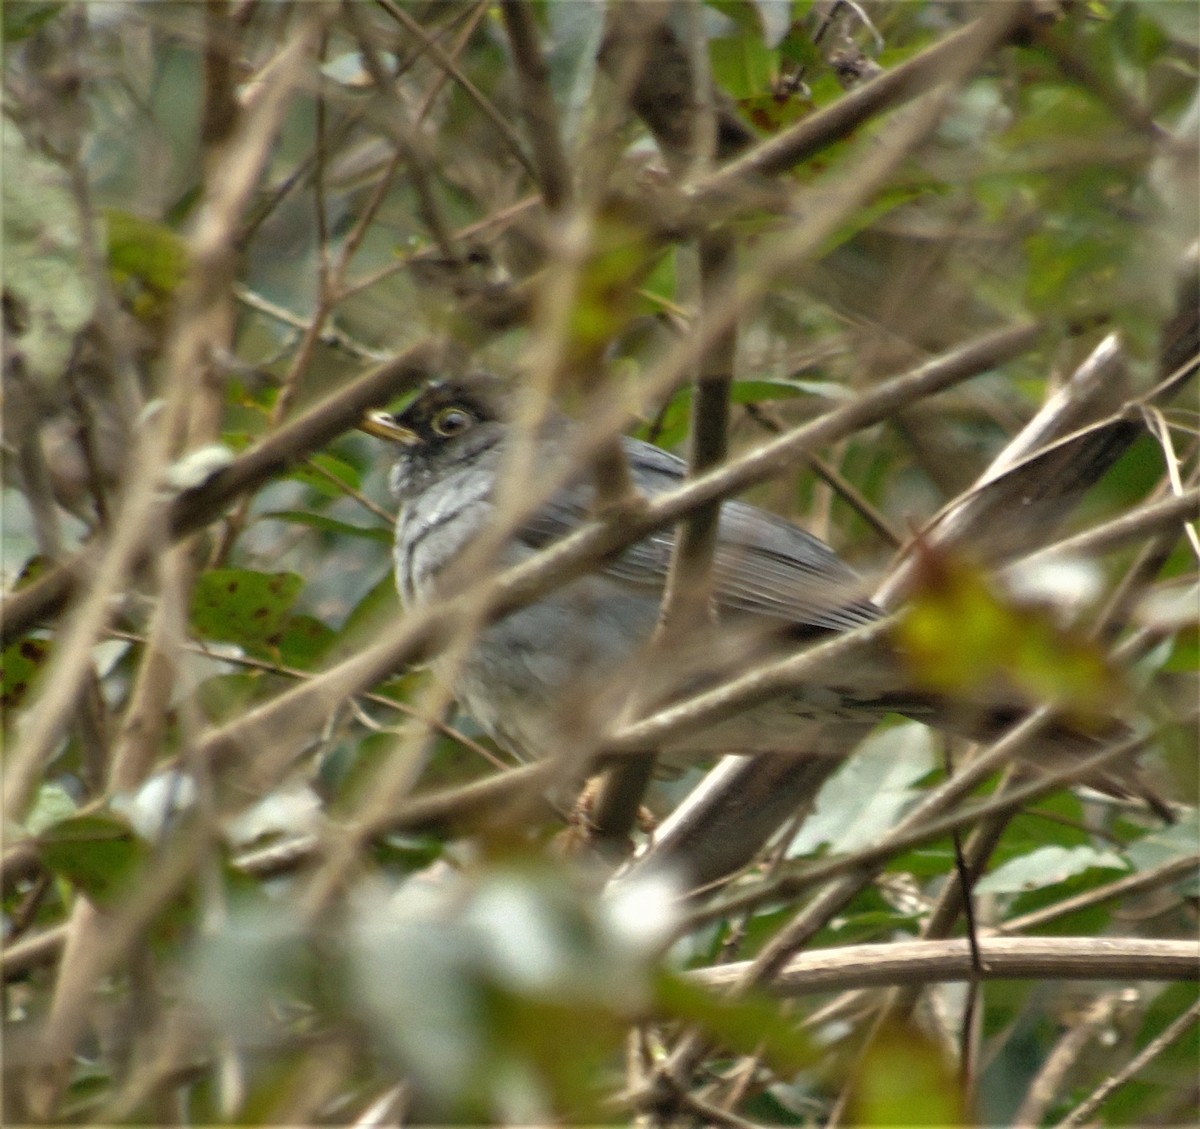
451, 421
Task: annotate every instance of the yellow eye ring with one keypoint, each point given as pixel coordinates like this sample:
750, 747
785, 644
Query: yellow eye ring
451, 421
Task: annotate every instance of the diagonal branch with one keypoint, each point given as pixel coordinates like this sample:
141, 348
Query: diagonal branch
949, 58
448, 64
195, 508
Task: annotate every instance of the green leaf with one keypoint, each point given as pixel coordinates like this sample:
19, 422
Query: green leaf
99, 854
962, 638
750, 1024
1048, 866
379, 606
53, 804
742, 66
1165, 845
304, 641
244, 607
1184, 654
310, 474
870, 791
21, 20
325, 524
23, 660
618, 261
145, 251
1057, 820
756, 391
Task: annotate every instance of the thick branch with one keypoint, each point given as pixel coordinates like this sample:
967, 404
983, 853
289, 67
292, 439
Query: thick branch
1004, 958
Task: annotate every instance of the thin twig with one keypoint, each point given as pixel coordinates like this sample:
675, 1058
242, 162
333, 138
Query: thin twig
443, 60
1143, 521
329, 336
139, 528
687, 591
1087, 1109
1171, 871
195, 508
1063, 1057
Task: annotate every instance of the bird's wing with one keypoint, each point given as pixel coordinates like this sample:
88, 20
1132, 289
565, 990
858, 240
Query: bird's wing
764, 566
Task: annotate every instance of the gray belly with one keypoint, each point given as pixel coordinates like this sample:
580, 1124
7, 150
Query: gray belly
547, 676
547, 680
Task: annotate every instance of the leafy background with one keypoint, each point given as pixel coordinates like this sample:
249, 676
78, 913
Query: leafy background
217, 215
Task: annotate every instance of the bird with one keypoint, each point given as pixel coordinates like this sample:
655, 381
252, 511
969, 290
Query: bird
581, 649
557, 671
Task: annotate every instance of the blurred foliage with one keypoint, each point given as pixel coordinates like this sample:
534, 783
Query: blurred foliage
291, 962
960, 637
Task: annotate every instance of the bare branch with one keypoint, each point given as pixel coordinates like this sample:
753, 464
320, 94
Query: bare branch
1167, 872
139, 528
1012, 958
537, 104
1086, 1110
195, 508
945, 61
443, 59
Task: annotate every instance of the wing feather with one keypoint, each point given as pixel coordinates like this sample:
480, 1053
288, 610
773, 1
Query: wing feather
765, 566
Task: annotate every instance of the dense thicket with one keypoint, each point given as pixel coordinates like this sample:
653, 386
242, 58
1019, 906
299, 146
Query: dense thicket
257, 869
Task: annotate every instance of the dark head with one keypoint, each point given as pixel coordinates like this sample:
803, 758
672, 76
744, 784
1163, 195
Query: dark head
450, 423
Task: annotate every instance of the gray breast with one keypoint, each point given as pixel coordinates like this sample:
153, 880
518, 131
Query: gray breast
434, 529
570, 655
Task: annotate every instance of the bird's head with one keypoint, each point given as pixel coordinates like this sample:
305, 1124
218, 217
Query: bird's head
451, 424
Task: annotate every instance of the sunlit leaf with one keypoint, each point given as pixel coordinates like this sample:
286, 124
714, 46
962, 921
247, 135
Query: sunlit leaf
961, 637
52, 805
146, 252
869, 792
905, 1079
1165, 845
